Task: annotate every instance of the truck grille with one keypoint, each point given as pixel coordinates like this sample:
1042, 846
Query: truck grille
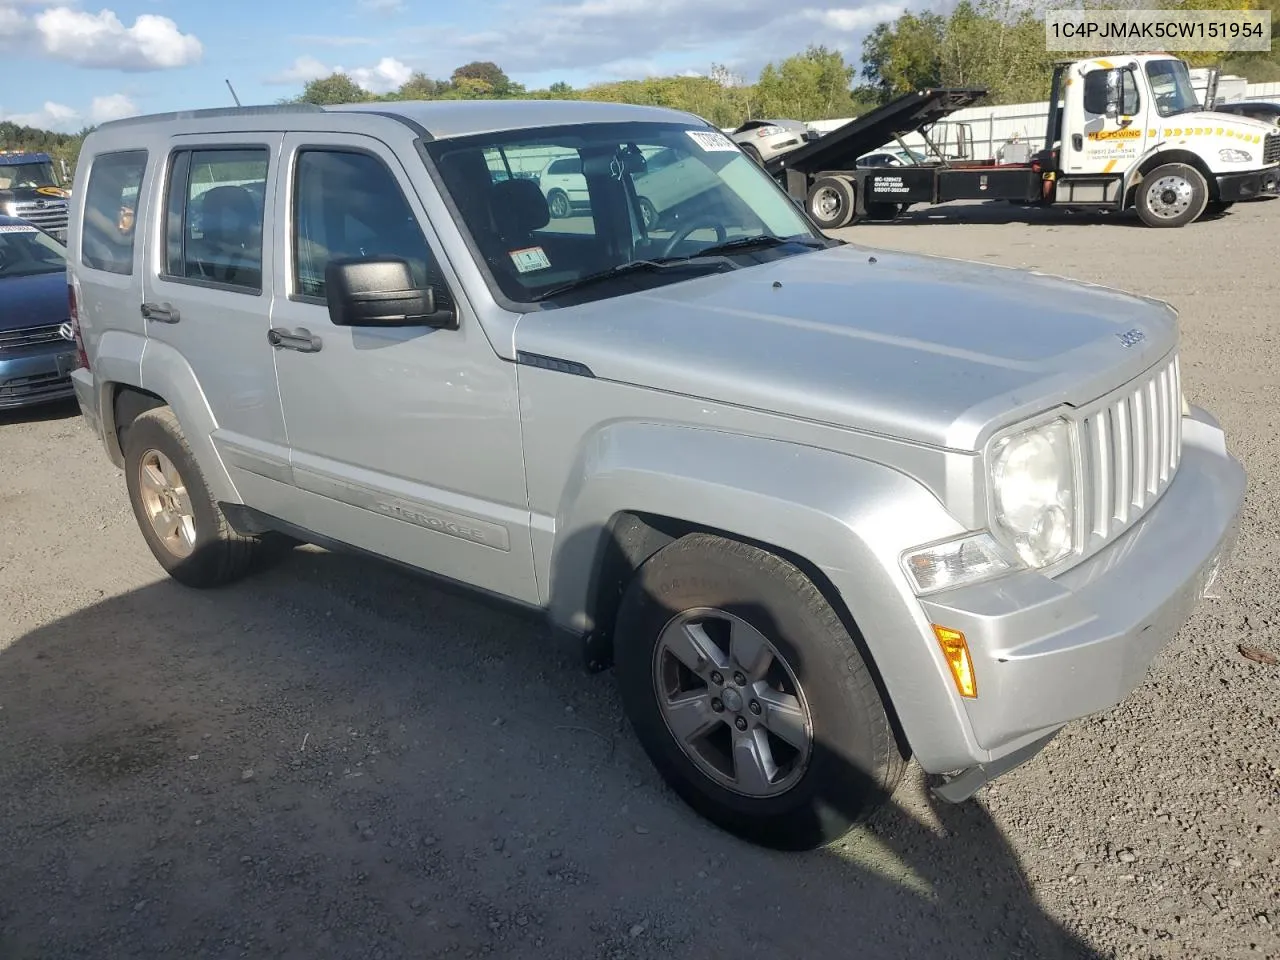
1131, 450
30, 337
1271, 149
46, 214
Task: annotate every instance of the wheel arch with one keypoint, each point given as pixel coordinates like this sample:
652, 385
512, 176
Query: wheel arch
841, 520
1159, 159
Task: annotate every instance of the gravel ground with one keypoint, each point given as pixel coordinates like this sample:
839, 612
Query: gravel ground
335, 759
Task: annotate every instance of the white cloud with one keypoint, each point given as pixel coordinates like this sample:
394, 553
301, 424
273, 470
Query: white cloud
326, 40
114, 106
52, 116
381, 6
99, 39
386, 75
848, 19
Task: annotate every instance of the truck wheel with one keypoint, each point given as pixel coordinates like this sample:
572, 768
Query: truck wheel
558, 202
1172, 195
831, 202
750, 696
182, 524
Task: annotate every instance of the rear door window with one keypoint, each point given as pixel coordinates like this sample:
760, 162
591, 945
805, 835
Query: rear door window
110, 206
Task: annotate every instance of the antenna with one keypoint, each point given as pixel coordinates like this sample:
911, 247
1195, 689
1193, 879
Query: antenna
233, 93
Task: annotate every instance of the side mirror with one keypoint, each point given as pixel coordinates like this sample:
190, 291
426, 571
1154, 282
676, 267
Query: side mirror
382, 293
1115, 84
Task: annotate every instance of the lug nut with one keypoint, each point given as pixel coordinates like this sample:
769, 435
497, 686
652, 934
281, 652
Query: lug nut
739, 679
716, 705
754, 707
716, 678
740, 723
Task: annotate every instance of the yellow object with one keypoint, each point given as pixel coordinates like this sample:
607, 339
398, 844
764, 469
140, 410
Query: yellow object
956, 649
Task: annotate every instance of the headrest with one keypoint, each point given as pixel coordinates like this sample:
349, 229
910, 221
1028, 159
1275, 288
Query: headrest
519, 207
228, 209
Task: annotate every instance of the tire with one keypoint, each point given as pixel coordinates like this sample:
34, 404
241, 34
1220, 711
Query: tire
831, 202
204, 550
558, 202
1172, 195
819, 791
649, 213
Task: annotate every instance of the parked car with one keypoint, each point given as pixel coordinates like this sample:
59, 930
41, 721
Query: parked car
891, 157
1263, 110
823, 511
37, 350
762, 140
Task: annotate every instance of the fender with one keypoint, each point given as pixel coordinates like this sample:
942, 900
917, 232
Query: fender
117, 359
849, 518
165, 372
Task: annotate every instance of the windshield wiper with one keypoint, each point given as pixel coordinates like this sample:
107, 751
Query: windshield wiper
631, 266
761, 240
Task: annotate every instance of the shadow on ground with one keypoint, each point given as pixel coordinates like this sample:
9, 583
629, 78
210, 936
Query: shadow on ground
997, 212
337, 759
43, 413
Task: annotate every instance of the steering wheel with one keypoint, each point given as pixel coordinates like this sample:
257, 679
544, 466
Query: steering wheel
681, 235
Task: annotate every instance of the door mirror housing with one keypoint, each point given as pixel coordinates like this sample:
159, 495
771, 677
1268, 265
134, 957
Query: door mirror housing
382, 293
1115, 86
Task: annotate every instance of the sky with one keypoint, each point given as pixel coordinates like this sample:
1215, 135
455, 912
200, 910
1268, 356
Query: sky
70, 63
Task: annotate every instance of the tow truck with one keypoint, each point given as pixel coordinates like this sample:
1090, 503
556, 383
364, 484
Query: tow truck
30, 189
1127, 133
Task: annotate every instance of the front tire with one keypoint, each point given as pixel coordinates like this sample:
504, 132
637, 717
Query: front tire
1172, 195
183, 525
750, 696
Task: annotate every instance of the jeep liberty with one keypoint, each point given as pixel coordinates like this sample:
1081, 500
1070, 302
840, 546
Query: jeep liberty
822, 508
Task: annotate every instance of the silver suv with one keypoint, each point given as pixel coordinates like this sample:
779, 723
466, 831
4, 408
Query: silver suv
823, 508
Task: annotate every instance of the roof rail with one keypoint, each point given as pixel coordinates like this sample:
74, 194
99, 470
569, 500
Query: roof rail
211, 112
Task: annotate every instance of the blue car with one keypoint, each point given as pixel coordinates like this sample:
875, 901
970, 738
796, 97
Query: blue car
37, 343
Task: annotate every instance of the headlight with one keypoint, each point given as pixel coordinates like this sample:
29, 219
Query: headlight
970, 559
10, 208
1235, 156
1033, 492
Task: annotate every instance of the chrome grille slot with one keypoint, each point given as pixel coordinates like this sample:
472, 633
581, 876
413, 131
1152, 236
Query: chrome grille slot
1271, 149
46, 214
1131, 447
30, 337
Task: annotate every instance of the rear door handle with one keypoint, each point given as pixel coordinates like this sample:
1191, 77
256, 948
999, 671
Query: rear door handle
161, 312
302, 339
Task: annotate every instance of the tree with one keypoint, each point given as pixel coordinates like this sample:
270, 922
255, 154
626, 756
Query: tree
482, 75
813, 85
335, 88
421, 87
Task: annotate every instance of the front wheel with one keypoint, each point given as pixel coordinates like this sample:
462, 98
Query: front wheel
750, 696
558, 202
1172, 195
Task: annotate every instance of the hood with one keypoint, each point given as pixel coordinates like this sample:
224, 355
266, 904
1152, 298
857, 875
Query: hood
929, 349
27, 194
33, 301
1228, 123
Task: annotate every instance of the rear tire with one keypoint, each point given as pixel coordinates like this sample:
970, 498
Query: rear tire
559, 205
179, 519
1172, 195
832, 754
832, 202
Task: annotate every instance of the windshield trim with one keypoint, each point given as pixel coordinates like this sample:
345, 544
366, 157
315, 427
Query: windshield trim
425, 147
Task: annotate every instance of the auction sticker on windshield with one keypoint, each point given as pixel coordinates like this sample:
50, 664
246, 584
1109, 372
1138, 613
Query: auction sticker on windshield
529, 259
711, 141
17, 228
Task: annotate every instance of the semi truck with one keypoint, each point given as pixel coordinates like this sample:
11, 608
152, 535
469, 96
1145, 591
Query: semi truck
31, 189
1128, 133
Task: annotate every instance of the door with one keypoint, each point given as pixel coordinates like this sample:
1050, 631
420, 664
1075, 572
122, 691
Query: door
403, 440
1105, 125
208, 297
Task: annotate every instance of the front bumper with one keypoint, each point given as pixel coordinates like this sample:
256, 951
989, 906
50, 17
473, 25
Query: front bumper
1049, 651
31, 378
1248, 185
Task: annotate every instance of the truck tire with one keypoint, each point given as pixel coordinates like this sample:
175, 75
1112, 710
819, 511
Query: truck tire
179, 519
1172, 195
750, 696
831, 202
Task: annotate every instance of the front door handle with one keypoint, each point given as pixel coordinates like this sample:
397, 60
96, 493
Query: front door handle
302, 339
161, 312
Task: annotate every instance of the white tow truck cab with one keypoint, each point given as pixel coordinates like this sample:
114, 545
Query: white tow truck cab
1122, 133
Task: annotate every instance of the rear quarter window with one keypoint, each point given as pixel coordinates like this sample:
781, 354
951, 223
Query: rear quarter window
109, 223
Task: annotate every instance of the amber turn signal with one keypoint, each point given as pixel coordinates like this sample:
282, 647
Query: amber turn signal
956, 650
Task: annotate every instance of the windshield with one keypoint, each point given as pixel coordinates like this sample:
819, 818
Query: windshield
549, 208
1171, 87
14, 176
26, 251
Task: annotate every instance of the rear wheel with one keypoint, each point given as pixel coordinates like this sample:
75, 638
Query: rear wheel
558, 202
649, 213
1172, 195
181, 522
831, 202
750, 696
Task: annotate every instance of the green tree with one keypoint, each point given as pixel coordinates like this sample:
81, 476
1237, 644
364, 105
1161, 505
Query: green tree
814, 85
335, 88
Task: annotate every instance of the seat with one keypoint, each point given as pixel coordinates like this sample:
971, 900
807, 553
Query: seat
230, 248
519, 208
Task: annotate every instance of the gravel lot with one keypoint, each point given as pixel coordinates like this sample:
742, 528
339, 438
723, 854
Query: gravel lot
336, 759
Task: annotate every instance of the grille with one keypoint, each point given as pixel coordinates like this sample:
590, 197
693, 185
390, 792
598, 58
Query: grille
51, 216
1271, 149
1131, 450
32, 388
30, 337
